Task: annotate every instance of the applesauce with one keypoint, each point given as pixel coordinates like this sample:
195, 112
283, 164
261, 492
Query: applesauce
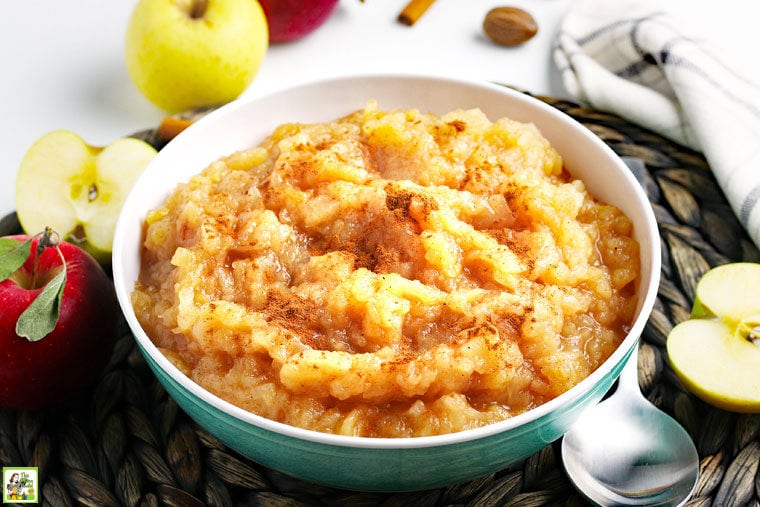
388, 274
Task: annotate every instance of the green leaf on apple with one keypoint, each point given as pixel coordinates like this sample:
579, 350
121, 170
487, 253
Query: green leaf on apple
13, 254
39, 319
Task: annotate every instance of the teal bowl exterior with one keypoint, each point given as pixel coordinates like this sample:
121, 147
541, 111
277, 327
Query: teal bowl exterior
381, 468
372, 464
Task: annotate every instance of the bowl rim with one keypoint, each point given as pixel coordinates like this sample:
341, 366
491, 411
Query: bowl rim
395, 443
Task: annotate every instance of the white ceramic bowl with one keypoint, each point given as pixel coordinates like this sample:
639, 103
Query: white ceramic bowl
369, 463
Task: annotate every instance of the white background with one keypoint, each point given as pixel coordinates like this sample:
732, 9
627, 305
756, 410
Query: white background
63, 62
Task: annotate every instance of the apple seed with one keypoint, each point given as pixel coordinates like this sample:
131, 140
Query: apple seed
749, 329
754, 335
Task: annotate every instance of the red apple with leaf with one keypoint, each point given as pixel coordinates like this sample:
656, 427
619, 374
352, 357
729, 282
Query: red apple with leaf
58, 320
290, 20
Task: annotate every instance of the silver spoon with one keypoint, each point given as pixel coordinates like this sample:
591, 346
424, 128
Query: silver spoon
626, 451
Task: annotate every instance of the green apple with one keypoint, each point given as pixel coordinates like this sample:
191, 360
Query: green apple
78, 189
716, 353
188, 54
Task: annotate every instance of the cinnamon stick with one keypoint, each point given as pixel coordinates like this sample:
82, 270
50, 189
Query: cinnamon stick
413, 11
171, 126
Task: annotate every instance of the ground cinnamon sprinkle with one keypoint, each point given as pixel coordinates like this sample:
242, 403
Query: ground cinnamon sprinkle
295, 313
388, 274
408, 206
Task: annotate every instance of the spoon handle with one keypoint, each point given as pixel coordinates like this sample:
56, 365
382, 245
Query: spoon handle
629, 376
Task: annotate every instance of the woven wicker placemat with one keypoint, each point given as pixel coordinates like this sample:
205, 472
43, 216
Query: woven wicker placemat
125, 442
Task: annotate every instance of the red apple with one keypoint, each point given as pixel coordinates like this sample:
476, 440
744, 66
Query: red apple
35, 374
292, 19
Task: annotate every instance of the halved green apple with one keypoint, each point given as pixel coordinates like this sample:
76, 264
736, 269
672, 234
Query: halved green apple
77, 189
716, 353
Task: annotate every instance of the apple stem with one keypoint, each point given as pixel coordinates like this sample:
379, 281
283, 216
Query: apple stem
48, 238
199, 9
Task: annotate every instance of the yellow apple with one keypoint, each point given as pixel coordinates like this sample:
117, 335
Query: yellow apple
716, 353
187, 54
77, 189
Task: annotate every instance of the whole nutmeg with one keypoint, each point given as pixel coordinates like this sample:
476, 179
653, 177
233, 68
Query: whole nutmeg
509, 26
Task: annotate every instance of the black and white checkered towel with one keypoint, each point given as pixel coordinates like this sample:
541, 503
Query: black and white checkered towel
629, 58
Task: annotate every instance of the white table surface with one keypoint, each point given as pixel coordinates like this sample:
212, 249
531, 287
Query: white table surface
63, 62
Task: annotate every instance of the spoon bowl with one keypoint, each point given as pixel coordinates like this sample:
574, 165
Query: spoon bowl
626, 451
